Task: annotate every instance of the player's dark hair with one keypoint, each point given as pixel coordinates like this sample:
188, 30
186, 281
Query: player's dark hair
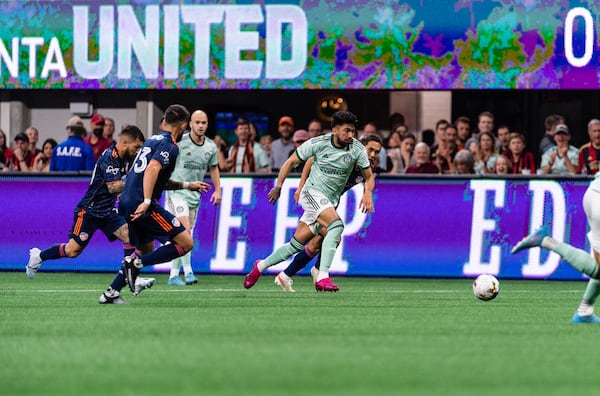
371, 138
176, 114
133, 132
344, 117
242, 121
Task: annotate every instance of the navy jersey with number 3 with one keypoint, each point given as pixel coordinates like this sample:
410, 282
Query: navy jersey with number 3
160, 147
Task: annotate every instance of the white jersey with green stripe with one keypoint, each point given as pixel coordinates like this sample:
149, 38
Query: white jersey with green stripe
192, 163
332, 165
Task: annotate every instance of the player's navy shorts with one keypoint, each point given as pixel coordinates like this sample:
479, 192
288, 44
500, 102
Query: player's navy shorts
156, 224
85, 224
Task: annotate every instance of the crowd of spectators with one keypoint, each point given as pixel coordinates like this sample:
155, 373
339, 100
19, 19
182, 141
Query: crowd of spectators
448, 148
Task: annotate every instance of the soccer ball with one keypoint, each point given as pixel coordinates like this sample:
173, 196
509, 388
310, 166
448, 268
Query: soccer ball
486, 287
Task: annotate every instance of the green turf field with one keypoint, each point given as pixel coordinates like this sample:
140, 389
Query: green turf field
377, 336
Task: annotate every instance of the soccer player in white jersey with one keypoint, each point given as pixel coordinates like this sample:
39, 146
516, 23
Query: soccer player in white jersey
335, 156
197, 153
577, 258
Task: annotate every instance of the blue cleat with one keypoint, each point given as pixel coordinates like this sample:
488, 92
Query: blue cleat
175, 281
532, 240
190, 279
585, 319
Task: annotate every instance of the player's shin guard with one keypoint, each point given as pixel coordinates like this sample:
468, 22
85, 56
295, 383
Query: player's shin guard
330, 243
163, 254
283, 253
577, 258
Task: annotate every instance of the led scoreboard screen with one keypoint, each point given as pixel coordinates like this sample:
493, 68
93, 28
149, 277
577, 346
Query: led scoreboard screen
332, 44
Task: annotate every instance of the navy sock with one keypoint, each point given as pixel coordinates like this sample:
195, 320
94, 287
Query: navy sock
54, 252
119, 282
318, 265
163, 254
128, 249
300, 261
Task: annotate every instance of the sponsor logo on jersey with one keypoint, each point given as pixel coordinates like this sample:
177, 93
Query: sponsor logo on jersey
324, 201
179, 209
157, 137
111, 170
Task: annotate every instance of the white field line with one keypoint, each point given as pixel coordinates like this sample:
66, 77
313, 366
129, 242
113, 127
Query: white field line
197, 290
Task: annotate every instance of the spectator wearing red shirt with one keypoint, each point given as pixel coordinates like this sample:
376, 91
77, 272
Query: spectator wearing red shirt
20, 159
95, 139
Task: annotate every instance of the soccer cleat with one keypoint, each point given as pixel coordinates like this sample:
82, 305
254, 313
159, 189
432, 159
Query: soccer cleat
131, 269
111, 296
143, 283
34, 263
585, 319
175, 281
251, 279
532, 240
326, 285
314, 272
190, 279
285, 284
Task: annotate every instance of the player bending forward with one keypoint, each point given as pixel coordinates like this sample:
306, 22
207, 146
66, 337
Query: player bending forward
373, 145
335, 156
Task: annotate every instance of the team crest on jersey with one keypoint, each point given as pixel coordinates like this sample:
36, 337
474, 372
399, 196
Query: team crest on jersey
165, 155
175, 222
346, 159
207, 156
324, 201
84, 236
179, 209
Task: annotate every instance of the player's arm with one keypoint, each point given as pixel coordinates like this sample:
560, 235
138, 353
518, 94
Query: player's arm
366, 203
215, 177
115, 187
183, 185
275, 192
303, 177
149, 181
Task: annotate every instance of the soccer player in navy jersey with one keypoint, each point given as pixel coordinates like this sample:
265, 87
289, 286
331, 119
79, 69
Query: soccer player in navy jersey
148, 178
373, 144
96, 210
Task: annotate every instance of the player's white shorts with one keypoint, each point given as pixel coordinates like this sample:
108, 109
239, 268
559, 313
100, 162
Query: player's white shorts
591, 206
313, 202
180, 208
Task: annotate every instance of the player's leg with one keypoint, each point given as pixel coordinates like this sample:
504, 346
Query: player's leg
585, 311
82, 230
301, 260
115, 227
186, 259
335, 228
180, 209
302, 235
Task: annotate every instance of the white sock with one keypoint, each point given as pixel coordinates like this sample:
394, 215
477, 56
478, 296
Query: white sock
261, 266
585, 309
174, 272
322, 275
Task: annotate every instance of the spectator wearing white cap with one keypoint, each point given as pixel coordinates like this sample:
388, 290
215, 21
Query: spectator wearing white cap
280, 148
562, 158
73, 154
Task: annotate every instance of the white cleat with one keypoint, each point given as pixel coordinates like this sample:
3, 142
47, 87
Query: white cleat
111, 296
285, 284
143, 283
34, 263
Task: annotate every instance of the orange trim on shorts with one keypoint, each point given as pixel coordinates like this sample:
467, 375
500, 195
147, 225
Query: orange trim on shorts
162, 222
79, 222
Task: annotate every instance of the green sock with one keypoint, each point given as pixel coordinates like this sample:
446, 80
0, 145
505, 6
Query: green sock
592, 291
330, 244
579, 259
283, 253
